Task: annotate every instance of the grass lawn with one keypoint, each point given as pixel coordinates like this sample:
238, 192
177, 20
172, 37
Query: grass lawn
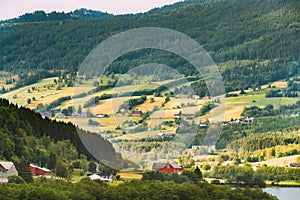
286, 183
136, 136
235, 105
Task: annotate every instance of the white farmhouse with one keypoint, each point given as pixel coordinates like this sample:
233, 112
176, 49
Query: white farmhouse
102, 177
7, 169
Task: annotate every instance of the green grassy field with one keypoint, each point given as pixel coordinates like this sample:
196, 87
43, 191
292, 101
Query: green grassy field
235, 105
290, 183
137, 136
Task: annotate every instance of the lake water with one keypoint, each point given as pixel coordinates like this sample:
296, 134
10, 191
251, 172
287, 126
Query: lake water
284, 193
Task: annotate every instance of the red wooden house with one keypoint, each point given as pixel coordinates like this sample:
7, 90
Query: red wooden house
39, 171
136, 113
168, 167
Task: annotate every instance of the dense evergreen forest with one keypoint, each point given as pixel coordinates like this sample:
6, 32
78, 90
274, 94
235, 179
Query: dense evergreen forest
228, 30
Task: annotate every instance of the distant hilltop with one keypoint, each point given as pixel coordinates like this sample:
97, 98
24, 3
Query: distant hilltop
40, 15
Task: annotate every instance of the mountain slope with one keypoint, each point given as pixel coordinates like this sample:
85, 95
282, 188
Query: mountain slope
227, 29
26, 135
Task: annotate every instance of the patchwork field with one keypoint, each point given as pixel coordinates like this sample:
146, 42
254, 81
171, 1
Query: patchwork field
45, 92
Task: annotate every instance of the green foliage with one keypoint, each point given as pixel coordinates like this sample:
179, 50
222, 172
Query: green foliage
237, 134
273, 93
87, 189
241, 76
278, 173
238, 175
92, 166
95, 100
93, 123
16, 179
186, 161
57, 102
246, 176
205, 108
186, 176
298, 159
129, 104
24, 171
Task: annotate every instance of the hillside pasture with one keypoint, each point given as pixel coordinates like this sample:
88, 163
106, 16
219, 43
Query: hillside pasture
3, 78
277, 84
236, 105
137, 136
21, 95
147, 105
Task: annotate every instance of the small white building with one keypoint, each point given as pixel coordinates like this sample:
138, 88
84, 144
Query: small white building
160, 133
102, 177
100, 116
7, 169
195, 96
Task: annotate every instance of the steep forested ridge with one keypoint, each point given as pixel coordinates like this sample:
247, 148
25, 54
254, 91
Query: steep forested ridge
26, 135
227, 29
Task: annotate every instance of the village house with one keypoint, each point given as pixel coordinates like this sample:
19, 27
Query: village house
100, 115
160, 133
61, 116
187, 116
168, 167
195, 96
224, 123
136, 113
102, 177
46, 115
295, 165
40, 171
248, 120
203, 124
7, 169
256, 166
176, 116
206, 97
196, 150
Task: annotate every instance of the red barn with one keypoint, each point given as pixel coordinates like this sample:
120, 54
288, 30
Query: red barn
39, 171
136, 113
167, 167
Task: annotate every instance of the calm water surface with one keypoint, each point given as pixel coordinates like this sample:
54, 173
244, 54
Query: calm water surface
284, 193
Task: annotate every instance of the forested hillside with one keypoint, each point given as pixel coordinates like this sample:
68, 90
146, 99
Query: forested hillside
27, 137
228, 30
